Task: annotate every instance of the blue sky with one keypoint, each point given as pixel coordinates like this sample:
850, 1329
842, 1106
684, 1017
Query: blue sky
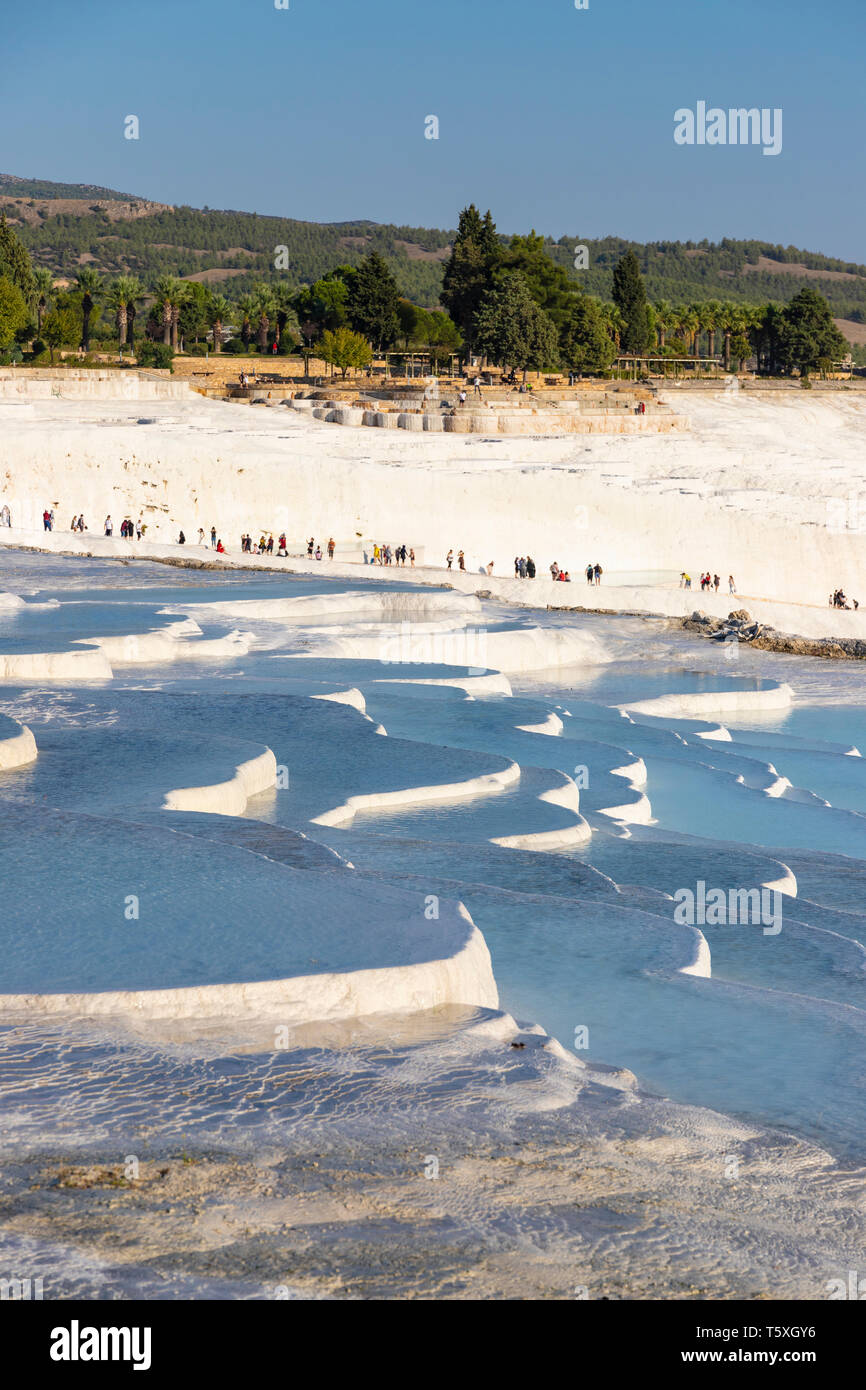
553, 117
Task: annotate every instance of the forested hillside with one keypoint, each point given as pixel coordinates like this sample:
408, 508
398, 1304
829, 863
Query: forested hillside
64, 227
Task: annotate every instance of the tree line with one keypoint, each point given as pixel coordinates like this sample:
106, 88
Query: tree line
506, 300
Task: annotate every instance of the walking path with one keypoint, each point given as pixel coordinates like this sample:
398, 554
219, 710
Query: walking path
799, 617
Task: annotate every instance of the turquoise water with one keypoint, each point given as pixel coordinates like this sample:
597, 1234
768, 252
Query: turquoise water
582, 931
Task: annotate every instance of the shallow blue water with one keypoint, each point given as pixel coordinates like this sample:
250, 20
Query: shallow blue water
582, 936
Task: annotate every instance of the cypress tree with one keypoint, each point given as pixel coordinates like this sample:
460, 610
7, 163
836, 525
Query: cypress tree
14, 260
629, 296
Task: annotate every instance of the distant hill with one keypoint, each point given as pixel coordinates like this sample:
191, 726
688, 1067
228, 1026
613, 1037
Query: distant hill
13, 186
68, 225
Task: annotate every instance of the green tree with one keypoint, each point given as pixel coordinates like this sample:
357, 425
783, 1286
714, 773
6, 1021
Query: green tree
372, 302
245, 312
469, 272
322, 305
43, 284
767, 334
287, 319
168, 290
713, 315
811, 340
218, 311
13, 311
193, 320
342, 348
122, 292
584, 342
411, 320
14, 259
89, 285
61, 325
548, 282
265, 314
665, 321
629, 296
512, 330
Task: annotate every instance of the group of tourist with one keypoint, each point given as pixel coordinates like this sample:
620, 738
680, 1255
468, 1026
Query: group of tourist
524, 566
593, 574
708, 581
839, 600
385, 555
560, 576
264, 547
128, 528
48, 520
461, 560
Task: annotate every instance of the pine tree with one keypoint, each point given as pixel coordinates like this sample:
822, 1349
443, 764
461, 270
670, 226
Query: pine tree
629, 296
810, 339
584, 341
512, 330
372, 302
469, 272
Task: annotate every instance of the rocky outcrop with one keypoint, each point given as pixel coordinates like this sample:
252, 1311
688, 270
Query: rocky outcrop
740, 626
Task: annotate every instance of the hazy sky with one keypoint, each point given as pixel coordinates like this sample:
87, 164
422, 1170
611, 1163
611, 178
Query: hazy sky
554, 117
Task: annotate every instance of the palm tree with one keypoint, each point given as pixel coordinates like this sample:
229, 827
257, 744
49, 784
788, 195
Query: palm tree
89, 283
218, 310
135, 292
181, 294
265, 311
165, 292
689, 323
729, 321
43, 283
712, 321
699, 317
246, 307
665, 319
287, 318
122, 294
613, 322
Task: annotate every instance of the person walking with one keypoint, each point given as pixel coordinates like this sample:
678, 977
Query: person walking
332, 545
412, 557
716, 582
590, 573
109, 528
461, 560
477, 390
449, 558
732, 588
